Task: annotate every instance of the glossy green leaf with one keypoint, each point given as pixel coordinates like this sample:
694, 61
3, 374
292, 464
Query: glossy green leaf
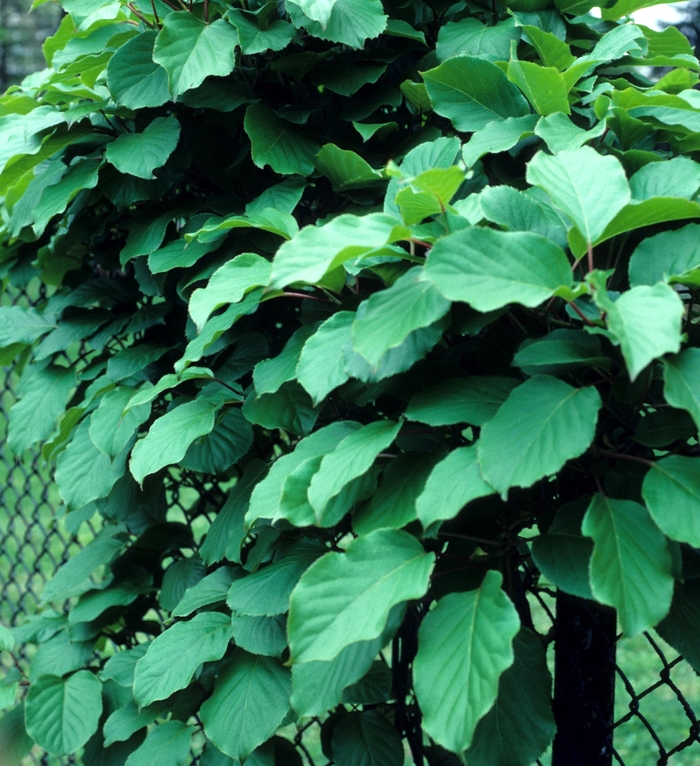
345, 169
133, 78
168, 744
375, 573
270, 374
366, 739
543, 87
190, 50
276, 143
321, 365
677, 177
174, 656
543, 423
139, 154
682, 381
290, 408
471, 37
671, 491
665, 255
56, 198
464, 645
560, 133
489, 269
472, 92
454, 482
254, 39
498, 137
570, 180
170, 436
120, 667
62, 713
250, 699
560, 351
631, 563
350, 22
553, 51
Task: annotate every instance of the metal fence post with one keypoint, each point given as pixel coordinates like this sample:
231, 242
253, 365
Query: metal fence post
584, 686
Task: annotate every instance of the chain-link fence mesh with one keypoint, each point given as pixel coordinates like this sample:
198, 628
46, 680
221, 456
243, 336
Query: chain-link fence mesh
657, 693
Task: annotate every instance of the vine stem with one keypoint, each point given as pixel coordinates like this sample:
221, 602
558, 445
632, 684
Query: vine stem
621, 456
290, 294
585, 319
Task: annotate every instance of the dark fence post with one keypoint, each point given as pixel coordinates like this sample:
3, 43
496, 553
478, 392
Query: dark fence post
584, 685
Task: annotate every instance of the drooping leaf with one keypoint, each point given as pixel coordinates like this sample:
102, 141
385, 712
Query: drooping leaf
631, 563
543, 423
464, 645
375, 573
62, 713
250, 699
139, 154
173, 657
489, 269
133, 78
110, 427
350, 22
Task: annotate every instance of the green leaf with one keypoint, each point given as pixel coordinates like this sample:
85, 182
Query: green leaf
665, 255
134, 80
277, 143
374, 686
7, 641
366, 739
570, 179
346, 597
179, 254
111, 428
211, 589
520, 726
677, 177
318, 10
267, 219
316, 250
394, 504
260, 635
181, 575
346, 81
681, 625
560, 133
470, 37
682, 382
351, 22
120, 667
290, 408
165, 745
560, 351
19, 325
222, 447
270, 374
472, 92
250, 700
59, 656
473, 400
83, 473
62, 714
170, 436
663, 427
174, 656
94, 603
253, 39
543, 423
631, 564
553, 51
265, 593
391, 315
464, 645
139, 154
190, 50
646, 322
127, 720
543, 87
454, 482
671, 491
56, 198
489, 269
498, 137
321, 365
43, 398
563, 555
351, 459
345, 169
16, 743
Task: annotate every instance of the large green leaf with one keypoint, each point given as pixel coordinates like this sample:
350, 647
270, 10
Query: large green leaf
560, 351
56, 198
174, 656
472, 92
645, 321
254, 39
671, 491
139, 154
489, 269
127, 720
471, 37
498, 136
165, 745
270, 374
631, 563
665, 255
111, 428
560, 133
346, 597
250, 699
316, 250
366, 739
190, 50
570, 179
260, 634
43, 398
211, 589
454, 482
682, 381
133, 78
541, 425
677, 177
345, 169
277, 143
543, 86
464, 645
20, 325
350, 22
321, 366
393, 314
170, 436
222, 447
16, 743
63, 713
520, 725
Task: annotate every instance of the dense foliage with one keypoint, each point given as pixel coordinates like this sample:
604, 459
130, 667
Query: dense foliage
353, 315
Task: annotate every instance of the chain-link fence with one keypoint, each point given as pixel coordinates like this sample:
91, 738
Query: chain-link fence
633, 703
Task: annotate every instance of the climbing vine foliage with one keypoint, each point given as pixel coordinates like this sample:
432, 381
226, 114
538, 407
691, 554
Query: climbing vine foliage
355, 318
